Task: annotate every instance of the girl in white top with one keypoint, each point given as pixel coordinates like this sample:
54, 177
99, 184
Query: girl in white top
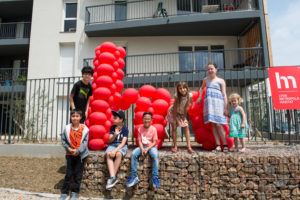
177, 114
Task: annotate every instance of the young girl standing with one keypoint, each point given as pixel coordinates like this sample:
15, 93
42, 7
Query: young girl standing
177, 114
215, 104
238, 122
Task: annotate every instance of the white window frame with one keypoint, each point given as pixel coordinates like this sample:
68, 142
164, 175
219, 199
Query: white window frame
69, 18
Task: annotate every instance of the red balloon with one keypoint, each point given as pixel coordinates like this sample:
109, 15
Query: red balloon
89, 111
87, 123
107, 125
143, 103
96, 144
95, 76
165, 123
97, 53
138, 117
195, 95
97, 48
147, 91
160, 106
113, 88
208, 145
162, 93
150, 109
229, 142
97, 118
130, 95
115, 107
123, 105
111, 100
159, 143
106, 138
105, 69
99, 106
97, 131
226, 129
121, 63
114, 76
108, 113
117, 54
161, 133
107, 58
122, 52
102, 93
158, 119
120, 73
94, 85
197, 121
172, 101
116, 65
91, 99
108, 47
119, 85
136, 109
202, 135
195, 110
117, 97
136, 130
104, 81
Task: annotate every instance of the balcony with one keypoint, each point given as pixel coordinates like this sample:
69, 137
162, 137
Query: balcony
13, 77
170, 17
235, 65
14, 38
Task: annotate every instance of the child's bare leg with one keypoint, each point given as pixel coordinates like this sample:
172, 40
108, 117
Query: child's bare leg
188, 138
243, 145
217, 139
235, 145
174, 135
221, 133
110, 164
117, 161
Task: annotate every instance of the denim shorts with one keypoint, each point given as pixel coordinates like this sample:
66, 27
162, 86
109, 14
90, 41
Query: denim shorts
111, 147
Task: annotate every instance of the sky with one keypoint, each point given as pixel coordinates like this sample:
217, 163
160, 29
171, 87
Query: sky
284, 21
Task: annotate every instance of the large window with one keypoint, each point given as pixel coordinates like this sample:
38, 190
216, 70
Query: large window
120, 10
67, 53
188, 6
197, 57
70, 17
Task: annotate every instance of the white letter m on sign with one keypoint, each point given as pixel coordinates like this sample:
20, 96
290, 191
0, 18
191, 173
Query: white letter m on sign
286, 81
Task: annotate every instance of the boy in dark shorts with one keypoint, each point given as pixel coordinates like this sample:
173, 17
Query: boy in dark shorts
81, 92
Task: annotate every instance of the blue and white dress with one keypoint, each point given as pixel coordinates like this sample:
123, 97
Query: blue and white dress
214, 105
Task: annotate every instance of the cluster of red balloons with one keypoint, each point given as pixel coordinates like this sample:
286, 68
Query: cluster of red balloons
107, 85
203, 132
156, 101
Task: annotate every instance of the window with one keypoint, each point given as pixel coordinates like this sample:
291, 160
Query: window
67, 52
70, 17
188, 6
197, 57
120, 10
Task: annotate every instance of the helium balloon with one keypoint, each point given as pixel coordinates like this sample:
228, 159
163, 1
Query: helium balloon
159, 143
113, 88
122, 52
119, 85
97, 118
123, 105
107, 125
102, 93
117, 54
121, 63
195, 95
114, 76
107, 58
106, 138
97, 131
99, 106
150, 109
138, 117
120, 73
117, 97
160, 106
96, 144
158, 119
147, 91
143, 103
104, 81
108, 47
130, 95
136, 130
161, 133
108, 113
162, 93
116, 65
105, 69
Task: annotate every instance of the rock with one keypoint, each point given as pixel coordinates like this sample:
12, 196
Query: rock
235, 180
296, 192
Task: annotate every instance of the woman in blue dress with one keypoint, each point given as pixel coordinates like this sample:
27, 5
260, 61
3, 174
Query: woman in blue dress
215, 105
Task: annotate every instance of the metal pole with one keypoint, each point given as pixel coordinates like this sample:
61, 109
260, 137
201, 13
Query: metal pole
11, 112
289, 125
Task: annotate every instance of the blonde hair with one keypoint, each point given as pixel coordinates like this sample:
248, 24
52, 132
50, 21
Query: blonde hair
235, 96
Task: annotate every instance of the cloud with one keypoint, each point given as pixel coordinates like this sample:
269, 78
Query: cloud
285, 34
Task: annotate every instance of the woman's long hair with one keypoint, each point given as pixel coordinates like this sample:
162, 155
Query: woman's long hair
179, 95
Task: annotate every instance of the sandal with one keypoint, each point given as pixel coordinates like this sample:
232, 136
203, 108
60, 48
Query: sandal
217, 149
190, 150
243, 150
174, 149
225, 148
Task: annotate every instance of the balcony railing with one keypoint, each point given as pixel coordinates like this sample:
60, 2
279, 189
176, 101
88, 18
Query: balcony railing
15, 30
185, 61
9, 75
148, 9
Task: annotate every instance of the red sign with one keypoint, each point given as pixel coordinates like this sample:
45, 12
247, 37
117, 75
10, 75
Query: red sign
285, 87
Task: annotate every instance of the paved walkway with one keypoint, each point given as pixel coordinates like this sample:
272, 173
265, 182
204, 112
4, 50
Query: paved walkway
12, 194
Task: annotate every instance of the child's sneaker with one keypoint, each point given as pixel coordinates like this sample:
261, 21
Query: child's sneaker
155, 182
132, 181
74, 196
63, 197
111, 182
